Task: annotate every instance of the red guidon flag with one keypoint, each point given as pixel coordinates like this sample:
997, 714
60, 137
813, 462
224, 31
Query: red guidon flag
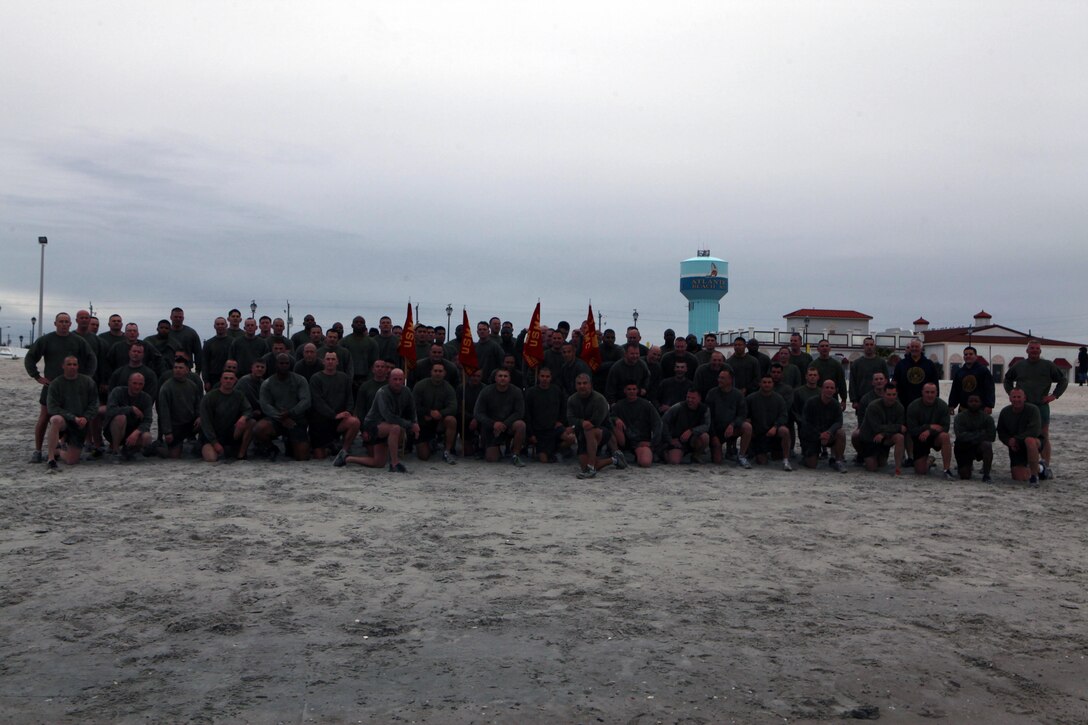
591, 346
407, 347
467, 354
533, 351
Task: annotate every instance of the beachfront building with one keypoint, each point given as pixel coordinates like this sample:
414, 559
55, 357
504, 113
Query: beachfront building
704, 280
999, 346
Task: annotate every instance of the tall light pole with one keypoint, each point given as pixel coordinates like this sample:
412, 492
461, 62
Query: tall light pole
33, 322
449, 316
806, 334
42, 241
290, 320
252, 309
634, 316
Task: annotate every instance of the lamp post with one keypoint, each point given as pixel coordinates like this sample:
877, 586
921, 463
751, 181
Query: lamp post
252, 309
33, 322
449, 317
42, 241
20, 340
970, 329
634, 316
290, 320
806, 334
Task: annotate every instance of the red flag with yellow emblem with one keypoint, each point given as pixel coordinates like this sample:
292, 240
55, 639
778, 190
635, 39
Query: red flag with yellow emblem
533, 351
591, 345
467, 354
407, 347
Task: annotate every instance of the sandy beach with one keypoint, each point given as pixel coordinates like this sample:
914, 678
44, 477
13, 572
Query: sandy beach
156, 591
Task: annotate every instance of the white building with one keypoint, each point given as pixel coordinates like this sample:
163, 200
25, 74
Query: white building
999, 346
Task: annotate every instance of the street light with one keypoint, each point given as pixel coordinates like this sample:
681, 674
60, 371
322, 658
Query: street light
634, 316
33, 322
20, 340
252, 309
449, 317
806, 334
42, 241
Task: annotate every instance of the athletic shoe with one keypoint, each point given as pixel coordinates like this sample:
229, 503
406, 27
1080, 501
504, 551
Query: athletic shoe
696, 458
518, 463
53, 465
1033, 482
908, 462
113, 457
97, 453
399, 468
743, 462
840, 466
618, 460
949, 475
341, 458
898, 472
273, 453
448, 458
587, 472
823, 452
36, 457
986, 478
786, 466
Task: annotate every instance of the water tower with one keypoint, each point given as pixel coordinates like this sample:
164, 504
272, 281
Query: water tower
704, 280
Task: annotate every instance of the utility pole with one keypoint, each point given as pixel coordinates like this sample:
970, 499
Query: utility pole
290, 319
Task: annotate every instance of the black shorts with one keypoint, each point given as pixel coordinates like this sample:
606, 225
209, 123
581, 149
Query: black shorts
372, 437
810, 447
922, 448
44, 397
430, 428
1019, 458
130, 425
490, 440
72, 434
323, 431
183, 431
869, 449
967, 453
580, 436
297, 434
547, 440
762, 445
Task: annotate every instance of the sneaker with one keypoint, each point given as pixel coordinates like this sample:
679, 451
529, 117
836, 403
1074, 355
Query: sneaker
618, 460
113, 457
1033, 482
908, 462
36, 457
273, 453
341, 458
399, 468
786, 466
823, 452
97, 453
949, 475
518, 463
898, 472
696, 458
1045, 473
53, 465
743, 462
986, 478
587, 472
448, 458
840, 466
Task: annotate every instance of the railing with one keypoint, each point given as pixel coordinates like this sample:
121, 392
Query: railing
839, 340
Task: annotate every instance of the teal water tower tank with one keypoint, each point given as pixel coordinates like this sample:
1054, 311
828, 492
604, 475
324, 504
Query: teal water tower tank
704, 280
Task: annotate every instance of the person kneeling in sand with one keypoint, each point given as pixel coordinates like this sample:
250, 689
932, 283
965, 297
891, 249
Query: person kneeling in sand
884, 430
391, 419
226, 421
1020, 427
975, 434
128, 418
587, 415
821, 427
71, 403
636, 426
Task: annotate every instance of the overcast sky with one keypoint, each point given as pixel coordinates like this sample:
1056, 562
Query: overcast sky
900, 159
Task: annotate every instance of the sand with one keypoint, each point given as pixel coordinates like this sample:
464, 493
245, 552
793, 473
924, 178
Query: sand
297, 592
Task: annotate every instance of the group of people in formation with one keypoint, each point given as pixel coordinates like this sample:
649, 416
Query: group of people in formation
362, 397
